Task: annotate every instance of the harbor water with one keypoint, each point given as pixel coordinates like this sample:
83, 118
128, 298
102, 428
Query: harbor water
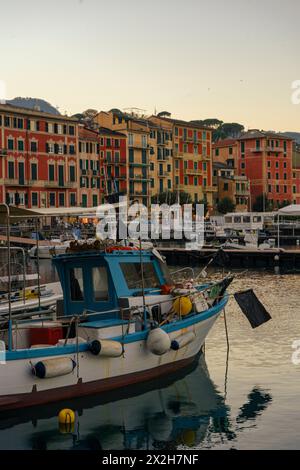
246, 397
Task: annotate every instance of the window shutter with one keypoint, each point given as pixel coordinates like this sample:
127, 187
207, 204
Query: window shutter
56, 148
65, 149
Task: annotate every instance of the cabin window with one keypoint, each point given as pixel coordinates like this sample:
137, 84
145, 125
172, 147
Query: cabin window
132, 273
237, 219
76, 284
100, 283
246, 219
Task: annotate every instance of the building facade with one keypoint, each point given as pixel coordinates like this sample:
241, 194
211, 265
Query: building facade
266, 159
88, 167
161, 170
191, 167
38, 158
136, 132
296, 174
232, 186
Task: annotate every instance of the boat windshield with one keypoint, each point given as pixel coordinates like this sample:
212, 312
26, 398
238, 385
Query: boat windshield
133, 275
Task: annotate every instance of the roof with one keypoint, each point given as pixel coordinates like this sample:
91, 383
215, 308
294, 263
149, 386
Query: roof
224, 143
256, 134
8, 108
179, 122
86, 133
106, 131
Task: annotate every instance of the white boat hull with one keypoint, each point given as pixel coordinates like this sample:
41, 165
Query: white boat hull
93, 374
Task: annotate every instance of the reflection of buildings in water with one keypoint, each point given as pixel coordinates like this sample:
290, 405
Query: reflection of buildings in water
185, 412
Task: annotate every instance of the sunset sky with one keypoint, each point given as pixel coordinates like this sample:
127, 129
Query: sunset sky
234, 59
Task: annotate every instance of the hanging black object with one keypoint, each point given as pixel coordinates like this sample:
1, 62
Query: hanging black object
252, 308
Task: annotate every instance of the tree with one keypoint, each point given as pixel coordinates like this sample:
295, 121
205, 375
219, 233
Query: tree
212, 122
164, 114
262, 204
225, 205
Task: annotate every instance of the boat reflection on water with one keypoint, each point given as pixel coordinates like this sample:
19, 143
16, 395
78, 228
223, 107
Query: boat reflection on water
184, 410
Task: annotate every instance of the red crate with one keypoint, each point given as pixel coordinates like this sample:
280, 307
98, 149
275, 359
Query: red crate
46, 335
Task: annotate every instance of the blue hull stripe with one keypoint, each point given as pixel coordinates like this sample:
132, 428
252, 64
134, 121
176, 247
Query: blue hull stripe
131, 338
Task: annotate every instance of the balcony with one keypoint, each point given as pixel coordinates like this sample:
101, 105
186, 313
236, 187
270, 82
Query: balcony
163, 174
257, 149
61, 185
138, 164
192, 171
3, 152
275, 149
178, 154
242, 192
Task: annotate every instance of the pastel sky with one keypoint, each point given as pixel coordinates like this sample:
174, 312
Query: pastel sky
234, 59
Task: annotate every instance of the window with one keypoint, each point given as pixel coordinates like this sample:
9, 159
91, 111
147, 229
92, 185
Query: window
72, 173
132, 274
11, 170
204, 166
130, 139
61, 199
177, 164
10, 144
176, 131
230, 150
284, 176
72, 130
217, 152
20, 145
269, 175
100, 283
269, 164
277, 176
225, 187
72, 149
34, 199
6, 121
72, 199
34, 171
277, 164
52, 199
51, 172
33, 146
76, 284
151, 166
195, 181
242, 147
144, 141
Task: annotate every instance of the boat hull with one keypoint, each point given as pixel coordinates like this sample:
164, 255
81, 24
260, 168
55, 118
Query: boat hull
19, 388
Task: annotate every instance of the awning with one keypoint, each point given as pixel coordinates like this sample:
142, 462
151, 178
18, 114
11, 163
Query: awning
15, 212
293, 209
20, 213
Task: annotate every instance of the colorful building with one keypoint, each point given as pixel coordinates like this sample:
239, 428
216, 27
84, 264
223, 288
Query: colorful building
88, 167
113, 159
136, 131
161, 170
296, 175
232, 186
191, 158
38, 158
266, 159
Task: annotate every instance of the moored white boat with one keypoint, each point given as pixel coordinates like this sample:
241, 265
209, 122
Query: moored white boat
123, 323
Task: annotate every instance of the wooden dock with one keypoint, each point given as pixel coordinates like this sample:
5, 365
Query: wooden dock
273, 259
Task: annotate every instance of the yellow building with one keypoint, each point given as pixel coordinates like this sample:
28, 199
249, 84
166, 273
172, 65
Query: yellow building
137, 133
161, 171
191, 158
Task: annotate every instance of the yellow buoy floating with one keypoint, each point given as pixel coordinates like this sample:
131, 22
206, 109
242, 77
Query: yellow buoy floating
66, 416
182, 306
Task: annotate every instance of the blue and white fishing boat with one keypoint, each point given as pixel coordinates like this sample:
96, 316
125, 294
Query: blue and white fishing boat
122, 321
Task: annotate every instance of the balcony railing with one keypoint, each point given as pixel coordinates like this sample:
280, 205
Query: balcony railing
192, 171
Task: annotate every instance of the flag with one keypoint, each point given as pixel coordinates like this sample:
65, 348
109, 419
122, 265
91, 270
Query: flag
252, 308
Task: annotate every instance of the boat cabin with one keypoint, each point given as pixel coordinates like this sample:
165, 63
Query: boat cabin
103, 282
